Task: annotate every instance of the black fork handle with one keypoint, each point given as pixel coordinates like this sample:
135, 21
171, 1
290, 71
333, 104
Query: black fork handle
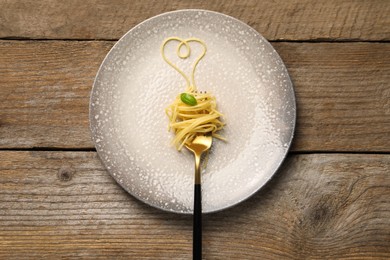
197, 229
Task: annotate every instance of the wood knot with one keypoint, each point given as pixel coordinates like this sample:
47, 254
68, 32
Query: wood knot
320, 216
65, 174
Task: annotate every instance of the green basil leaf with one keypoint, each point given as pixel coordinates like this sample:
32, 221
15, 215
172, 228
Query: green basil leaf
188, 99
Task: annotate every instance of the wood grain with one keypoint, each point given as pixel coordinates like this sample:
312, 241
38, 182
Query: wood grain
343, 95
45, 90
276, 20
342, 90
318, 206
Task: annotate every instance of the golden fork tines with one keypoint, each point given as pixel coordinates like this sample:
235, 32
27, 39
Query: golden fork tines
200, 145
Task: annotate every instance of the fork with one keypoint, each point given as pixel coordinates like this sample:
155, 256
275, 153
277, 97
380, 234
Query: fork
201, 144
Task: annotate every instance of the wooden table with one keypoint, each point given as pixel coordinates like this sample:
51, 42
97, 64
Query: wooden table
330, 200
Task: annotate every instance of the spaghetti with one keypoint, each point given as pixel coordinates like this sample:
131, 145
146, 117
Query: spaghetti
192, 113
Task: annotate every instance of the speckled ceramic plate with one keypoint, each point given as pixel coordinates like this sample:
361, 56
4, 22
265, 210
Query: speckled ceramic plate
134, 85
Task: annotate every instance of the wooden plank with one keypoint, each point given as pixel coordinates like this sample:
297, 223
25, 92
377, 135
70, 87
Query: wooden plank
276, 20
342, 90
318, 206
343, 95
45, 88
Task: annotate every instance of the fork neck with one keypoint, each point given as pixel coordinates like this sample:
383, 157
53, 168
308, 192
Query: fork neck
197, 168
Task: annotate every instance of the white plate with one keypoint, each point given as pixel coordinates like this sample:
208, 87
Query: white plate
134, 85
